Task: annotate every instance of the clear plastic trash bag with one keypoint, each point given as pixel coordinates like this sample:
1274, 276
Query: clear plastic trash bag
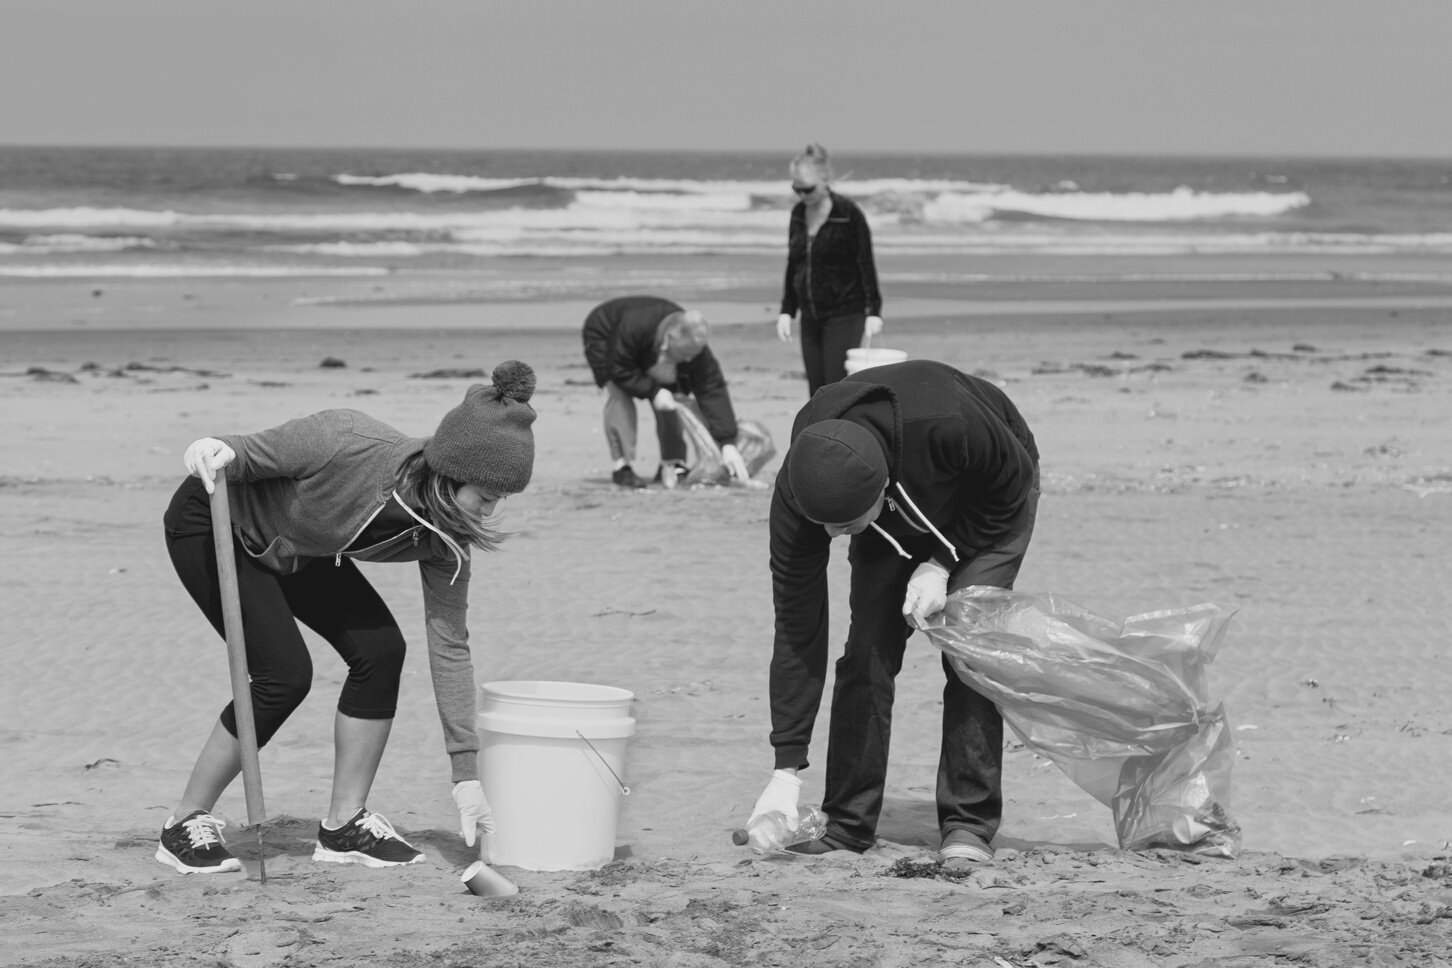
1120, 707
704, 455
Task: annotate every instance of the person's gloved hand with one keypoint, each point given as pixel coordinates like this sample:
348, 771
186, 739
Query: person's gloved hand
927, 593
663, 400
474, 813
780, 794
205, 457
873, 327
735, 463
784, 327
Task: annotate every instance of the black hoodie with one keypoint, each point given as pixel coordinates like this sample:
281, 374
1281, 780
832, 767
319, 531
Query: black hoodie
961, 462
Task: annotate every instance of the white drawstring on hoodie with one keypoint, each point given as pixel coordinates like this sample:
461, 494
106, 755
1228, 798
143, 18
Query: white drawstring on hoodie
459, 554
921, 516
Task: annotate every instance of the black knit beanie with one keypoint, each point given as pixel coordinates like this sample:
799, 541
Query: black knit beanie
836, 469
486, 440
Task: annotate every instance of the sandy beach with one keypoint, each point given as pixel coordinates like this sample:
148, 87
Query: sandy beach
1282, 449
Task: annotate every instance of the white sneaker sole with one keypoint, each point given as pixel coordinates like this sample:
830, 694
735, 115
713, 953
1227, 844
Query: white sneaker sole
972, 853
321, 853
175, 863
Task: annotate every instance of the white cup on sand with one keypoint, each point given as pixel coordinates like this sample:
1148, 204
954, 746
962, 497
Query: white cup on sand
483, 880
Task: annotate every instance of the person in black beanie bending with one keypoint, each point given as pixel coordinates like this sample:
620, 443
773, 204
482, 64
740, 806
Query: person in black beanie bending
307, 498
934, 475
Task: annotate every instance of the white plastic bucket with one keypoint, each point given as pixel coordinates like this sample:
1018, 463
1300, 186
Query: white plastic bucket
860, 359
552, 762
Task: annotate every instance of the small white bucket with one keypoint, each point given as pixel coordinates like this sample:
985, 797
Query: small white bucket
859, 358
552, 762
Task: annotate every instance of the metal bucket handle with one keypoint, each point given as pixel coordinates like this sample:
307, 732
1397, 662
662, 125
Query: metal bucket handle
625, 790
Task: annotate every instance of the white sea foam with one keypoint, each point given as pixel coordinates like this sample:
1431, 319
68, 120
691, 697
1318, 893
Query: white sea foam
171, 270
896, 201
1180, 205
84, 218
55, 244
430, 183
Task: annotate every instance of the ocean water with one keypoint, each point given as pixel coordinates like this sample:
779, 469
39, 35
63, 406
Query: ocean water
108, 213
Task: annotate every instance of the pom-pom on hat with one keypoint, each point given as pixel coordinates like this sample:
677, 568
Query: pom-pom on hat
487, 440
836, 469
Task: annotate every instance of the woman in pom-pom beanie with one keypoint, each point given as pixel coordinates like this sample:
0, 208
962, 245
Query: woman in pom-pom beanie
306, 498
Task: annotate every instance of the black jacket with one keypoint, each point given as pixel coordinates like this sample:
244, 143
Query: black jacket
832, 274
622, 342
961, 463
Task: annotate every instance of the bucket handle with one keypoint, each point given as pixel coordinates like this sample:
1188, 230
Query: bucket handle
625, 790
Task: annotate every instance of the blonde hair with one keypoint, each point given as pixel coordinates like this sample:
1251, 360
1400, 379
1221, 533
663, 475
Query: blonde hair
814, 159
419, 484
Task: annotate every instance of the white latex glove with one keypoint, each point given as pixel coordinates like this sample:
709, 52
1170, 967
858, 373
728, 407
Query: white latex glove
927, 593
735, 463
474, 813
780, 794
784, 328
205, 457
663, 400
873, 327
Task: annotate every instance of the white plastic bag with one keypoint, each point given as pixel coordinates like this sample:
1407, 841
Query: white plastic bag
1120, 707
704, 460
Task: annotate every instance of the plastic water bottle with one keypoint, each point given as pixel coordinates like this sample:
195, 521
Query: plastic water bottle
774, 831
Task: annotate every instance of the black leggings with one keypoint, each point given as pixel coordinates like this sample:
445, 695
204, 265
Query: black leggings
335, 601
825, 343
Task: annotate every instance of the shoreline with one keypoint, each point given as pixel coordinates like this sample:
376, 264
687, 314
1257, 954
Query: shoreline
458, 302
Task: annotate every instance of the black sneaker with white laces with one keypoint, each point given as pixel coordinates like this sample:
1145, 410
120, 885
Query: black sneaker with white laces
367, 839
193, 845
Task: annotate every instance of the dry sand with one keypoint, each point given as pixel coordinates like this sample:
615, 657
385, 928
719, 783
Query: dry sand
1289, 459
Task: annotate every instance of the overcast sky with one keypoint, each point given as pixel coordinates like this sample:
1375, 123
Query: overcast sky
1344, 77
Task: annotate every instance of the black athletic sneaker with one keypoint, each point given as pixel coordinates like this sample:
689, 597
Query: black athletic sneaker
367, 839
193, 845
626, 477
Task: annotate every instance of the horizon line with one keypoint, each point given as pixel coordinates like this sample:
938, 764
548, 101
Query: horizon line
758, 152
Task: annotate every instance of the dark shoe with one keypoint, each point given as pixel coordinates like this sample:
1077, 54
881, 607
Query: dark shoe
193, 845
367, 839
963, 847
824, 844
626, 477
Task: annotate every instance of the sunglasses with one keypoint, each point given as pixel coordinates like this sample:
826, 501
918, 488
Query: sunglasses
804, 189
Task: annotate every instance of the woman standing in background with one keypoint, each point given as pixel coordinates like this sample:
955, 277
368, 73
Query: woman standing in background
831, 278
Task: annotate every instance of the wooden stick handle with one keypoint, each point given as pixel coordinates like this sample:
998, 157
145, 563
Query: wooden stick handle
236, 650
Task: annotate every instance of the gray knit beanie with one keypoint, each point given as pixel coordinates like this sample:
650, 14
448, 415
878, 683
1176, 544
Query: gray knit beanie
486, 440
836, 469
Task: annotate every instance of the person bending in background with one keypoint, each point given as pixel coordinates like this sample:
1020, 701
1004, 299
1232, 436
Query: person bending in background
934, 475
831, 278
307, 498
648, 348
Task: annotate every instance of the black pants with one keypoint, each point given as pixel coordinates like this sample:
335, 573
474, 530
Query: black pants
825, 343
970, 764
335, 601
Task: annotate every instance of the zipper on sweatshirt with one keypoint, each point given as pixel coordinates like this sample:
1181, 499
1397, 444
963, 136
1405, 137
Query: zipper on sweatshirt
810, 301
338, 557
898, 509
459, 554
